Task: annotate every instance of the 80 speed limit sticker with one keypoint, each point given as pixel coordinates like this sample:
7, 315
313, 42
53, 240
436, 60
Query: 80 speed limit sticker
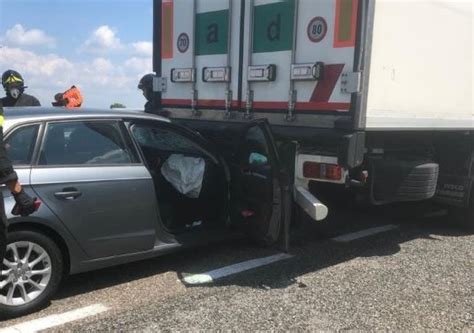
317, 29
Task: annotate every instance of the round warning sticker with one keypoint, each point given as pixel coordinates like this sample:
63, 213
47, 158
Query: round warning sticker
317, 29
183, 42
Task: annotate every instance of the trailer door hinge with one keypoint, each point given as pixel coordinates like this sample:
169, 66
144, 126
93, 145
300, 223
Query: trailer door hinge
351, 82
160, 84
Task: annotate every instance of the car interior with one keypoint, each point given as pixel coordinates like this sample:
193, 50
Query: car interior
254, 193
182, 211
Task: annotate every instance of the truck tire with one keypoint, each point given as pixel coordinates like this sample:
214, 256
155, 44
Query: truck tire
469, 221
464, 217
46, 273
399, 180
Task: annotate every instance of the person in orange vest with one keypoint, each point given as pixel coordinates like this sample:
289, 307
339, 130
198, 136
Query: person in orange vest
71, 98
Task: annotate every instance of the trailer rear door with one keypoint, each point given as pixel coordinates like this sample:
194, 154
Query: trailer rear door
308, 44
288, 56
200, 52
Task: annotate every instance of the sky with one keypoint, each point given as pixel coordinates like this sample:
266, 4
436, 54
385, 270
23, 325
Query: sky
101, 46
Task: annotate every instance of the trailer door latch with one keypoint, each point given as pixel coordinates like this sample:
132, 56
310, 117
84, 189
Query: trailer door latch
351, 82
159, 84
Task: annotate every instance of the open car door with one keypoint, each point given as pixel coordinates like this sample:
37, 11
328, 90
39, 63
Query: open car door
260, 190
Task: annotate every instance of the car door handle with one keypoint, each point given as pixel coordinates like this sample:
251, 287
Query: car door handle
68, 194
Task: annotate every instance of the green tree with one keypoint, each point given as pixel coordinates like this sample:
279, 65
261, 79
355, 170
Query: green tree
117, 106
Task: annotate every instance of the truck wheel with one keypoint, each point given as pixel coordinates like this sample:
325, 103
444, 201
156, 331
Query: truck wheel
464, 217
397, 180
31, 273
469, 221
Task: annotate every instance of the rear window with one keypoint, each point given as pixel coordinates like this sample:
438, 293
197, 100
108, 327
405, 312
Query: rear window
85, 143
21, 143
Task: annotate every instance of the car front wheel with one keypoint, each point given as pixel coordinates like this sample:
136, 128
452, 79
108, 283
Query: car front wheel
31, 273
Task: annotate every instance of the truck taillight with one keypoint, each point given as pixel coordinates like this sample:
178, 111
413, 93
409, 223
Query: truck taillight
322, 171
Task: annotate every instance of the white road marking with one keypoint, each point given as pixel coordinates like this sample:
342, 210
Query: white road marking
55, 320
233, 269
364, 233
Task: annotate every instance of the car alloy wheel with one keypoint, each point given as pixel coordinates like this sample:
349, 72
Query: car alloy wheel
25, 274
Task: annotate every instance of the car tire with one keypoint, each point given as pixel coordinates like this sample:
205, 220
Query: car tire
22, 239
398, 180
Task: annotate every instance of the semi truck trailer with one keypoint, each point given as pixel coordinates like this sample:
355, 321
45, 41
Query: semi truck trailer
370, 96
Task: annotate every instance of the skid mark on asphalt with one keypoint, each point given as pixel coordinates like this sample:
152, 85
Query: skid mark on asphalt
233, 269
364, 233
51, 321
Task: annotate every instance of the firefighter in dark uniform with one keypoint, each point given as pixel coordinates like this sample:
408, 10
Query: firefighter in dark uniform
14, 86
146, 86
25, 205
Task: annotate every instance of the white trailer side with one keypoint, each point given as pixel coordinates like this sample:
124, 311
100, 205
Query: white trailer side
421, 66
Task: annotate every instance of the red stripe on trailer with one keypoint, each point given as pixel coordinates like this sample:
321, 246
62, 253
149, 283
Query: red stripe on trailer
346, 18
308, 106
215, 103
176, 101
303, 106
324, 88
200, 103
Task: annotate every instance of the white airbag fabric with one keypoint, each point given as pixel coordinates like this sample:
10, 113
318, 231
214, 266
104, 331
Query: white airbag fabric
184, 173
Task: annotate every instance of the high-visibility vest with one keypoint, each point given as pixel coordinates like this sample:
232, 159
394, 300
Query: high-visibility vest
73, 97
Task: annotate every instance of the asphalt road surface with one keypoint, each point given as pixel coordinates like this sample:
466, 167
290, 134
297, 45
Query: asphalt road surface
412, 270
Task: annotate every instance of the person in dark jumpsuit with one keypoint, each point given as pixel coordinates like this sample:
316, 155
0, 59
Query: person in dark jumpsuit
146, 86
8, 176
14, 86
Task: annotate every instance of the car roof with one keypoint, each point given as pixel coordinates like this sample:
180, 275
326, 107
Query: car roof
16, 115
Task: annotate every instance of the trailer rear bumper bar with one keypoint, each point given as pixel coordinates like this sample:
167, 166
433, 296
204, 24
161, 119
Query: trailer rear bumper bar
310, 204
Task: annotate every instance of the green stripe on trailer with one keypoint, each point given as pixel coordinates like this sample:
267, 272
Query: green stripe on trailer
273, 27
211, 32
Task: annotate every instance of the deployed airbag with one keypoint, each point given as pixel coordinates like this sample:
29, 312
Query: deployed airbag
184, 173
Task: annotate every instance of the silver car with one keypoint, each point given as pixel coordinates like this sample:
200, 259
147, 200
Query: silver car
120, 186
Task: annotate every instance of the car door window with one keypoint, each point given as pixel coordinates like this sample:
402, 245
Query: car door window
86, 143
255, 148
20, 144
164, 139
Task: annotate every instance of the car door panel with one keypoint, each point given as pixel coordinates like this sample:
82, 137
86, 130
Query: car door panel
260, 186
158, 141
112, 212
